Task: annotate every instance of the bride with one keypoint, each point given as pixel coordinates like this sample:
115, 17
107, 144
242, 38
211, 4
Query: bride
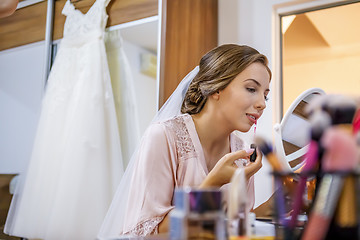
195, 147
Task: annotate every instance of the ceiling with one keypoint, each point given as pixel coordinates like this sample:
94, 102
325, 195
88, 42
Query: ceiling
337, 25
325, 32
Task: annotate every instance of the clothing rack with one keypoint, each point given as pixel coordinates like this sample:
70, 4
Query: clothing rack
48, 39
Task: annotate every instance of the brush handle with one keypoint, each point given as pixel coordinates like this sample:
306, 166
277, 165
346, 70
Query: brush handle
274, 162
317, 228
279, 201
298, 200
311, 160
346, 211
324, 207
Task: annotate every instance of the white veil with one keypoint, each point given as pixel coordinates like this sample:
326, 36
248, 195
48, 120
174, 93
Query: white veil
172, 106
115, 215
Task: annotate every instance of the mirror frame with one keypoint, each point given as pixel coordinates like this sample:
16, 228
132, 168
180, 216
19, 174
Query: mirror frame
278, 128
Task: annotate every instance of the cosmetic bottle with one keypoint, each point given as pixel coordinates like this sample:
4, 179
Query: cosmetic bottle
197, 215
238, 225
237, 212
251, 225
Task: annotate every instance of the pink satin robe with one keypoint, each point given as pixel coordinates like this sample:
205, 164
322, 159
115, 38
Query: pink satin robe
170, 156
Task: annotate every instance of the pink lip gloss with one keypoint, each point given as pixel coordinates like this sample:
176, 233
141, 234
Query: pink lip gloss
255, 128
253, 155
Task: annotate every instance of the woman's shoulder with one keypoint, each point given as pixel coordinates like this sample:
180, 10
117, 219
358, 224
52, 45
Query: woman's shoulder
175, 124
178, 118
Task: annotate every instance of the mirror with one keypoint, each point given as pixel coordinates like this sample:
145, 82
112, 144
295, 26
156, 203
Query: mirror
132, 50
317, 49
292, 134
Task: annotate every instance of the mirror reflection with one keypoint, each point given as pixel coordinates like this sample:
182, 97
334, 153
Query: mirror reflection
292, 134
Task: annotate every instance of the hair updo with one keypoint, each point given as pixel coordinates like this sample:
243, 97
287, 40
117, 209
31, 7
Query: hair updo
217, 69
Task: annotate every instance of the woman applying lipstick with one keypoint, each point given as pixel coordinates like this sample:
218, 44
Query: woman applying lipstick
195, 147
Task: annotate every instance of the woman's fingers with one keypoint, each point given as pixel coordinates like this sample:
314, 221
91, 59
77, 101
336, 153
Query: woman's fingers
231, 157
259, 154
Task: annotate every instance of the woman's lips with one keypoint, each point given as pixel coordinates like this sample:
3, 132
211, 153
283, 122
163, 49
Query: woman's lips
252, 118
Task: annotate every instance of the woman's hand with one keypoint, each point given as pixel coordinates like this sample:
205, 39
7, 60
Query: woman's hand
225, 168
7, 7
255, 166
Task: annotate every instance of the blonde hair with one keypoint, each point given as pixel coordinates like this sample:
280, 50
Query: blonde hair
217, 69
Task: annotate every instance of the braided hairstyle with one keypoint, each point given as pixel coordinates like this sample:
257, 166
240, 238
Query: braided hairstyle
217, 69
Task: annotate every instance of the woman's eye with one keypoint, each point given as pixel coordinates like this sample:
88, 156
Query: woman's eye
266, 98
252, 90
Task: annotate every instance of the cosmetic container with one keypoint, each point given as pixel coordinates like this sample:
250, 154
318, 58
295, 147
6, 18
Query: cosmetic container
197, 215
284, 203
251, 225
238, 226
237, 213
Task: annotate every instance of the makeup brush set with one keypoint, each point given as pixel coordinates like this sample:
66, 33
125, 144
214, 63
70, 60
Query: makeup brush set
332, 160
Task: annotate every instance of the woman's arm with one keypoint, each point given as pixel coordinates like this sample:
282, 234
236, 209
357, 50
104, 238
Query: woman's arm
164, 225
152, 183
265, 209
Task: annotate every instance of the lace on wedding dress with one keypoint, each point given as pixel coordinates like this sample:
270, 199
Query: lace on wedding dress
78, 23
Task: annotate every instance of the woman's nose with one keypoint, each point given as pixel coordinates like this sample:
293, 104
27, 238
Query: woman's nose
260, 104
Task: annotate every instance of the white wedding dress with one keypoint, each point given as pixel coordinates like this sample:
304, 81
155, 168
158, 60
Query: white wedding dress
123, 85
76, 162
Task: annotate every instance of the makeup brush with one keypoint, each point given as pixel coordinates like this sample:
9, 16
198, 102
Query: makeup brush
356, 122
311, 160
267, 151
342, 110
319, 121
356, 127
317, 103
339, 146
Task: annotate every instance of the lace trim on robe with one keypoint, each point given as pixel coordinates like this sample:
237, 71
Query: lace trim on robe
146, 227
185, 148
184, 144
238, 144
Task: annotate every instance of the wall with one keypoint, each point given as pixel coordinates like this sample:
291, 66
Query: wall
345, 80
21, 88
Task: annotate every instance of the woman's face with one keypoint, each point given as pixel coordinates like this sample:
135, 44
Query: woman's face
242, 102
